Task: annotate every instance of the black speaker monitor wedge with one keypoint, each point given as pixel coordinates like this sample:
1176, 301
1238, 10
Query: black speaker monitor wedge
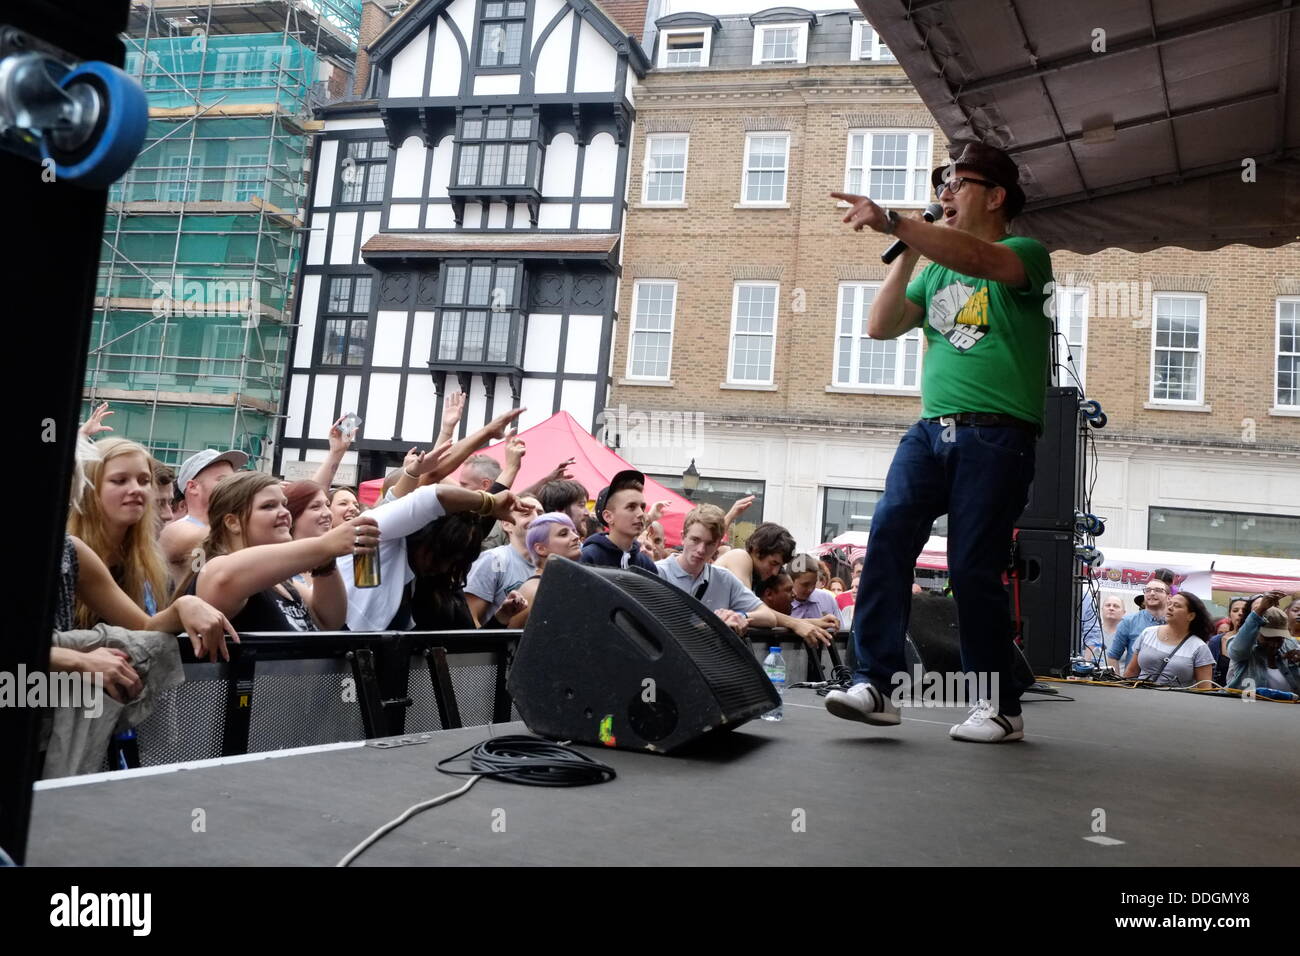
624, 659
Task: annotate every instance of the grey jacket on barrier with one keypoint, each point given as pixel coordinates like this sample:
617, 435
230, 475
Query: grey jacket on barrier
78, 740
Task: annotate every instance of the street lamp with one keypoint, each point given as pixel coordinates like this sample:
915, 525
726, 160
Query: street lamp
690, 480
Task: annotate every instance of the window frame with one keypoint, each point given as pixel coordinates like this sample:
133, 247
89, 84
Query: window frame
705, 52
801, 43
745, 170
632, 331
1081, 365
1277, 351
351, 315
862, 30
917, 335
731, 337
514, 311
532, 142
1199, 400
645, 169
364, 167
864, 188
481, 22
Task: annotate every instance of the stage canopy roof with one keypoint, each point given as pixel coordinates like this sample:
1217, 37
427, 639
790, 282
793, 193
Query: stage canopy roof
1133, 123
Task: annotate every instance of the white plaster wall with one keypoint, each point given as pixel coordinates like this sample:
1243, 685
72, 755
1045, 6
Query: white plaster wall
496, 84
600, 166
321, 416
597, 63
542, 347
408, 169
410, 67
447, 63
440, 168
307, 310
390, 337
553, 62
381, 408
561, 167
329, 154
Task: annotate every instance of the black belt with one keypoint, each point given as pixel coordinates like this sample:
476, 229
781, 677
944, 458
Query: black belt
985, 418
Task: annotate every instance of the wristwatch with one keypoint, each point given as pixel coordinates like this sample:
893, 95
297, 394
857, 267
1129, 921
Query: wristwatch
894, 219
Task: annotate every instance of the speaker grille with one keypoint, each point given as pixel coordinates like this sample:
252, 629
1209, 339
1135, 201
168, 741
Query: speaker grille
725, 663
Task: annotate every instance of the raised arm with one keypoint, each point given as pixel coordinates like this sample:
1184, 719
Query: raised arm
738, 508
516, 448
493, 430
205, 626
229, 580
958, 250
339, 445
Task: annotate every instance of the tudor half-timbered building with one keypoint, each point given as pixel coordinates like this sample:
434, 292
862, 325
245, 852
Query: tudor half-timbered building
465, 227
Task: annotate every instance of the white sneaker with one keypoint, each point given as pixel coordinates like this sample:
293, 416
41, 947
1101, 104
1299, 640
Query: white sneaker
863, 702
986, 726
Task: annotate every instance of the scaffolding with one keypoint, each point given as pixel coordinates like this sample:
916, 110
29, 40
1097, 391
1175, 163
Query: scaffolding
194, 298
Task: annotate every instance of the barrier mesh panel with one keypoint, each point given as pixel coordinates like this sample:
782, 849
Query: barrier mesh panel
186, 724
422, 715
475, 686
296, 709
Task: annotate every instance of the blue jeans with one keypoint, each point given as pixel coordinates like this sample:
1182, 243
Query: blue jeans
979, 476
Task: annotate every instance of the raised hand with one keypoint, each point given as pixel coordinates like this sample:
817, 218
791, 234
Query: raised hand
95, 423
558, 473
497, 427
516, 448
657, 510
339, 440
507, 508
863, 212
740, 507
452, 409
428, 461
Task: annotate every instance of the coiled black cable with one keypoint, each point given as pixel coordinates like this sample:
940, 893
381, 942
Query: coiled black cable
531, 761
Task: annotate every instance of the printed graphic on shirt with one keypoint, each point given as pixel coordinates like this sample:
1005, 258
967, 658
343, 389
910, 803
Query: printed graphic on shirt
960, 314
296, 614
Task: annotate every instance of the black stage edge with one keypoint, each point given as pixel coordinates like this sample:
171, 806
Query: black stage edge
54, 232
1179, 780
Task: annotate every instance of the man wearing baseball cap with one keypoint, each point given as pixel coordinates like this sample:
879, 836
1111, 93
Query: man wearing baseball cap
620, 508
984, 304
195, 480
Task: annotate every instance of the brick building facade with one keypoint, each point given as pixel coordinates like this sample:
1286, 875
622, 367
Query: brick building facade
742, 299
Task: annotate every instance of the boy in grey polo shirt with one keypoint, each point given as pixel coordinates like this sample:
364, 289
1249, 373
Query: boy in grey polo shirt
716, 587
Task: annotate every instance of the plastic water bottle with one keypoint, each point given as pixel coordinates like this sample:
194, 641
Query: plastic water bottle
774, 665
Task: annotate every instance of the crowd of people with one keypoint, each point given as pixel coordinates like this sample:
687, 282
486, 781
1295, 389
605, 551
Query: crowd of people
1172, 639
211, 550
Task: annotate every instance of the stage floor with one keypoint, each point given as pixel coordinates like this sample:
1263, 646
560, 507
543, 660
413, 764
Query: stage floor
1182, 780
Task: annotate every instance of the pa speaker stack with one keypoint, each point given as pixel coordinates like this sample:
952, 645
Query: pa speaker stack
1043, 588
633, 663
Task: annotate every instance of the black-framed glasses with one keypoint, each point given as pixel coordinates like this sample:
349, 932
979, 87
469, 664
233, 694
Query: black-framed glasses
955, 184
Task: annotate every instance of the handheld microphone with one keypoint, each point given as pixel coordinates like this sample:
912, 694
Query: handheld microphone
932, 212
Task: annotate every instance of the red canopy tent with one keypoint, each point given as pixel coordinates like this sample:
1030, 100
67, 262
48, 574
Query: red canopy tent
561, 437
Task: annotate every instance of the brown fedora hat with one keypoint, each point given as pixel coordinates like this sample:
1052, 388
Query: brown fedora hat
992, 164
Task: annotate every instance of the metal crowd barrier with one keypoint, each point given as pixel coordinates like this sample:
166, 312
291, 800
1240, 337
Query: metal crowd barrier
280, 690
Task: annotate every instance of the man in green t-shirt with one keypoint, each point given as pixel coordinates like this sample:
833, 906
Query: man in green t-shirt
983, 302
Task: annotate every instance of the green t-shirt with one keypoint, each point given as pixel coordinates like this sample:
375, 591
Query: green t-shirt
988, 343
